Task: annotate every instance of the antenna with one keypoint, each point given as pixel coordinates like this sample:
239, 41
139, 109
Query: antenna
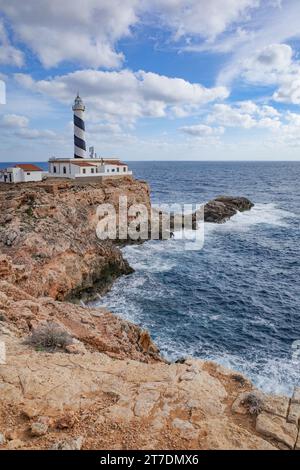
91, 150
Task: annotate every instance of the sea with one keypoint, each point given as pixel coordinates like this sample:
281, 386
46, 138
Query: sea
236, 300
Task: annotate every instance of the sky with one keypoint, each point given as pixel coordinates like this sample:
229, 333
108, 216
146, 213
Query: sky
161, 79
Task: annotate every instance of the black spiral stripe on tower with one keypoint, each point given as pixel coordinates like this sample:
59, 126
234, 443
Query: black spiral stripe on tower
79, 122
79, 143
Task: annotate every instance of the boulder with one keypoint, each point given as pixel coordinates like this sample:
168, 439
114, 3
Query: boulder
69, 444
222, 208
39, 429
294, 413
296, 395
15, 444
277, 428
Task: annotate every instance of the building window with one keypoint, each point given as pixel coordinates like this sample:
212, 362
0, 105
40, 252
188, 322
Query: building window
92, 170
28, 174
124, 168
54, 169
84, 171
113, 169
118, 169
64, 170
107, 171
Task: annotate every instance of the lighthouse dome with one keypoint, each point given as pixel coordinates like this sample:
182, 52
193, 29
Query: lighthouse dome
78, 104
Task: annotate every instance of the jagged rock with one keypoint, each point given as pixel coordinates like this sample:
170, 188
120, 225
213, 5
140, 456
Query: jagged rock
277, 428
39, 429
15, 444
145, 402
222, 208
187, 430
2, 439
75, 348
65, 422
69, 444
80, 264
276, 405
12, 434
296, 395
297, 446
187, 376
294, 413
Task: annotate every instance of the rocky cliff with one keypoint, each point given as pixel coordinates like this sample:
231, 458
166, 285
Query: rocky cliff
77, 377
49, 232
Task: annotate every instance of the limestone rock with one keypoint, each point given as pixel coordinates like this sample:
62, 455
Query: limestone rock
76, 348
296, 395
145, 402
2, 439
80, 264
187, 376
294, 413
39, 429
223, 208
187, 430
69, 444
15, 444
277, 428
297, 446
276, 405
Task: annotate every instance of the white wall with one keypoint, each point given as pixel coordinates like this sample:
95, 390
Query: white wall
20, 176
31, 176
74, 171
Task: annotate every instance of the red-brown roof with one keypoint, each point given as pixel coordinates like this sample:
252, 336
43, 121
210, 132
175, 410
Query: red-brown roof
28, 167
82, 164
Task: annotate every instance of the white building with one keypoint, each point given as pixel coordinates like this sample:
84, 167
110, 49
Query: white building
86, 168
21, 173
80, 166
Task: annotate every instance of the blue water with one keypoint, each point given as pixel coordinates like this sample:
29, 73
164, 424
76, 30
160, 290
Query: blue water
236, 301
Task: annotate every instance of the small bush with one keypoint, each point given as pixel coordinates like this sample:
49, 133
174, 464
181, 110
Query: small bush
239, 379
2, 316
253, 403
49, 337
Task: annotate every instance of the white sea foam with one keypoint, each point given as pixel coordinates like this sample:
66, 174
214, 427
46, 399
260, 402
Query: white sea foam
273, 375
268, 214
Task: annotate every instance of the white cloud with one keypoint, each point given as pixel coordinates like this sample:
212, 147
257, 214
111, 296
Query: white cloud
84, 32
126, 95
87, 32
274, 65
265, 35
228, 116
199, 17
18, 125
202, 130
247, 115
267, 65
9, 55
289, 90
14, 121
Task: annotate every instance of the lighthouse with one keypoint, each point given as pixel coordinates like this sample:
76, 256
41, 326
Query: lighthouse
79, 128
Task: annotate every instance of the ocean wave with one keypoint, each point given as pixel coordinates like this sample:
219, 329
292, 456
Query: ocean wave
260, 214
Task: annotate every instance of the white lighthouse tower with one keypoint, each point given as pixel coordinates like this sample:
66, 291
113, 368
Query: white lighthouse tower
81, 167
79, 128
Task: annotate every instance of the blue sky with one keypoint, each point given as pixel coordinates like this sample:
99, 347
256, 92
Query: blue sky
161, 79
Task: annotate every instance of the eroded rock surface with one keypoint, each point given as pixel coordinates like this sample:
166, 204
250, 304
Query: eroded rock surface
48, 232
